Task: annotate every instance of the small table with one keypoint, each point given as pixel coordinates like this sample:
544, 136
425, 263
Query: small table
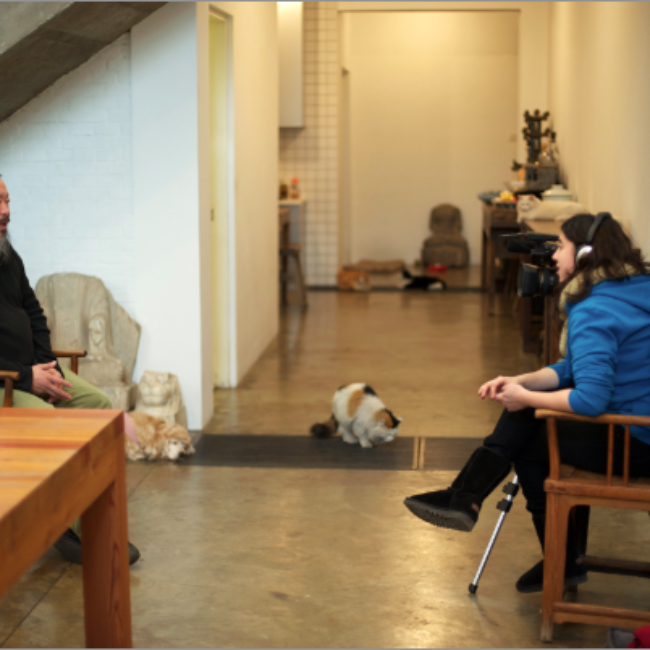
54, 466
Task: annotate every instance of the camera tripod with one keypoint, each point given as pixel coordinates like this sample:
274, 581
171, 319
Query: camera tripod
504, 505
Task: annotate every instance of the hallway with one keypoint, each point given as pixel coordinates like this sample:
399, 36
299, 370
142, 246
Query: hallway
243, 557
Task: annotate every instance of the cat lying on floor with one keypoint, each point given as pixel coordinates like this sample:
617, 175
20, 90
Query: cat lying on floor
360, 417
422, 282
157, 439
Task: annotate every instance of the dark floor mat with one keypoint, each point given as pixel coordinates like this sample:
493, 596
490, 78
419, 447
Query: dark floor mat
330, 453
447, 453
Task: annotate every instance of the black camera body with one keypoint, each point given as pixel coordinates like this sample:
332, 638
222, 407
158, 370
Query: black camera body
538, 278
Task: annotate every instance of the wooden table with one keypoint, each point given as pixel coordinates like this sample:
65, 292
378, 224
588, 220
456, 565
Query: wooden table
496, 222
54, 466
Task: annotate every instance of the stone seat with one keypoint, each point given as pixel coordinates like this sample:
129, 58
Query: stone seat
446, 245
82, 314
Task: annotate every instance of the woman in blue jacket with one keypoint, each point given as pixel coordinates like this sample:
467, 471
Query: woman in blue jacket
604, 300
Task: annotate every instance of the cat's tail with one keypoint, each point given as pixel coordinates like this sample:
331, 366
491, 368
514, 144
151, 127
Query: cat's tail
325, 429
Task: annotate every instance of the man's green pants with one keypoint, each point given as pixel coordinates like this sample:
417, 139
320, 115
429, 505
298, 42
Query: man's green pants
83, 396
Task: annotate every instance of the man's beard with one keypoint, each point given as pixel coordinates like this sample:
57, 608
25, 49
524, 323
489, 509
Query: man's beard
5, 249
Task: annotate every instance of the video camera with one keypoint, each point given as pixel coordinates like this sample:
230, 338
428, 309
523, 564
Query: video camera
538, 278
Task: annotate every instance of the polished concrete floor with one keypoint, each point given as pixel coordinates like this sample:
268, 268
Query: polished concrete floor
304, 558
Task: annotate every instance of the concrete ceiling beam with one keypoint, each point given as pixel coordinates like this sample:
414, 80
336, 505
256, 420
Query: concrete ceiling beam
42, 41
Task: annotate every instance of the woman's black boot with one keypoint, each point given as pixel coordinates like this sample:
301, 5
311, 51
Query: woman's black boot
458, 506
533, 580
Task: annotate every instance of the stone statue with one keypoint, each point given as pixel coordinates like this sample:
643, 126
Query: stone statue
82, 314
159, 394
446, 245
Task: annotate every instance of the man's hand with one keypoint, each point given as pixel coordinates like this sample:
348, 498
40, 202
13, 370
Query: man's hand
47, 382
493, 387
513, 397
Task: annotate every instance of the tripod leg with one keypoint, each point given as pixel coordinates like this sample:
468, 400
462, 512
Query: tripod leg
504, 505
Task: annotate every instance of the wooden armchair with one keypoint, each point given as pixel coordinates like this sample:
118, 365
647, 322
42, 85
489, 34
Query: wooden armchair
568, 487
11, 377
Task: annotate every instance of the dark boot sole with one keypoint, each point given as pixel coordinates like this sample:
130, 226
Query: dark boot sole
453, 519
570, 581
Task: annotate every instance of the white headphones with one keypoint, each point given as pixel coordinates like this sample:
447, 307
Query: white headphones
587, 247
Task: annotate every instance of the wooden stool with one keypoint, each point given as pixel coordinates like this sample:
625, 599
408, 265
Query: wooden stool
287, 252
568, 487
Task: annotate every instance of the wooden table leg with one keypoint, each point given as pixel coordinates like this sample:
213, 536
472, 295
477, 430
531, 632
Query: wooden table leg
484, 261
107, 600
526, 324
491, 275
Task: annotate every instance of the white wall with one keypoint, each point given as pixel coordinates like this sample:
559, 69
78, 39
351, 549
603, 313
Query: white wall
532, 75
66, 159
600, 101
432, 104
172, 202
255, 101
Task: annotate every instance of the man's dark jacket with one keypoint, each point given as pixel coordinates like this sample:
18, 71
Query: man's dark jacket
24, 335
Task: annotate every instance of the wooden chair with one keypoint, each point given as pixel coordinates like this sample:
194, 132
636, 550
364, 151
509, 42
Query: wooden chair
11, 377
568, 487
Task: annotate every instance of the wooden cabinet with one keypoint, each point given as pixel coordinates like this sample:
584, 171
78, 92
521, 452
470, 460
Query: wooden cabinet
496, 222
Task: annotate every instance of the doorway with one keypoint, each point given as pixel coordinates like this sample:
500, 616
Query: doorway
224, 335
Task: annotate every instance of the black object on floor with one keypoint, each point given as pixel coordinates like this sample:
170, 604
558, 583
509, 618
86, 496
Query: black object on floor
215, 450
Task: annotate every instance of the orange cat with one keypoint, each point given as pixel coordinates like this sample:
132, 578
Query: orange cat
352, 281
157, 439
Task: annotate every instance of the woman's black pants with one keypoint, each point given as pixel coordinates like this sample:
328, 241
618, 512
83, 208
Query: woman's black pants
521, 438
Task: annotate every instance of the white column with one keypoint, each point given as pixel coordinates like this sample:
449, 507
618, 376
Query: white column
172, 200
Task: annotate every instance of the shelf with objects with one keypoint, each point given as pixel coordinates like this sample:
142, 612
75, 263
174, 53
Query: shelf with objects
534, 203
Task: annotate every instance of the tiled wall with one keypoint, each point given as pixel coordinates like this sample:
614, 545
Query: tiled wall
311, 153
66, 160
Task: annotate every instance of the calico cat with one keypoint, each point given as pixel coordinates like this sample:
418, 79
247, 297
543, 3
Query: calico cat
359, 416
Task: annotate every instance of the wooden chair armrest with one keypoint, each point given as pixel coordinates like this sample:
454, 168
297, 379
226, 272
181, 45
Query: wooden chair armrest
73, 355
9, 379
610, 419
606, 418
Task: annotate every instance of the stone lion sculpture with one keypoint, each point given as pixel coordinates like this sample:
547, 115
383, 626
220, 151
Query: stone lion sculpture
159, 394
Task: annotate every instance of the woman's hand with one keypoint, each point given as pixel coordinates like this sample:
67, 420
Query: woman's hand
495, 386
513, 397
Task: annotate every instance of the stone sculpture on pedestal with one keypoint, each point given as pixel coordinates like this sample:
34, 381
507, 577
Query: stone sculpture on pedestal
446, 245
82, 314
159, 394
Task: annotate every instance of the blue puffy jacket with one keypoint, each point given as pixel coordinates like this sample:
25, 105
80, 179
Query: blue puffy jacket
608, 351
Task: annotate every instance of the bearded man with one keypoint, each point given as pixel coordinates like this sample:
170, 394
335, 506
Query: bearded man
25, 348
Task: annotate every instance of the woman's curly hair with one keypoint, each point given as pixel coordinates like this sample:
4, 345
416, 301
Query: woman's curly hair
612, 253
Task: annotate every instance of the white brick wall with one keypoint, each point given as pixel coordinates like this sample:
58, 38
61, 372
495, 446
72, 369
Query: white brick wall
311, 153
66, 159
